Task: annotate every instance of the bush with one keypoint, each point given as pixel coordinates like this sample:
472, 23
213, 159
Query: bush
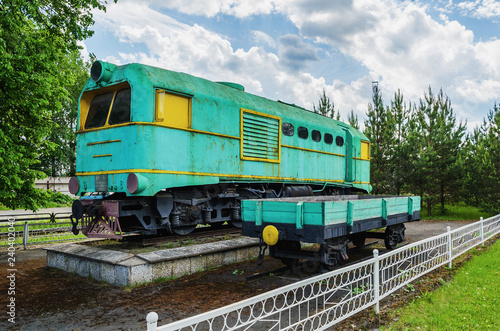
57, 198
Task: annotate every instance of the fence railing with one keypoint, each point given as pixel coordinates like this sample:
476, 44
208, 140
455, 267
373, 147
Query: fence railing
29, 229
319, 302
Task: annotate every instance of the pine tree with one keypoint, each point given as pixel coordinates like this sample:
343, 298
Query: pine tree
482, 163
436, 141
326, 107
401, 167
352, 119
379, 129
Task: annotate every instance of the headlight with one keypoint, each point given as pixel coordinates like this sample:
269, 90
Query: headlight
101, 71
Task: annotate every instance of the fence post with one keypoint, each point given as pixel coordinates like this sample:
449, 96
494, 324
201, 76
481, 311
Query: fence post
482, 231
450, 246
25, 234
376, 281
152, 320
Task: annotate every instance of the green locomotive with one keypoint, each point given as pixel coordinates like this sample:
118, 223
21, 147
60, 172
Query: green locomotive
162, 151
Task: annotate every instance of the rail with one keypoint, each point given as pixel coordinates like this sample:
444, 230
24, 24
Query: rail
320, 302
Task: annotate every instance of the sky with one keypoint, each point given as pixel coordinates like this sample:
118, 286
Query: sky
290, 50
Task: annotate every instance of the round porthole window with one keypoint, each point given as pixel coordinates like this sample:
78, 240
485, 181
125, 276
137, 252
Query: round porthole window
303, 132
339, 141
316, 135
328, 138
287, 129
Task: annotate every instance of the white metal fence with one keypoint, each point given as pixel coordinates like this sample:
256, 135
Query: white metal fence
322, 301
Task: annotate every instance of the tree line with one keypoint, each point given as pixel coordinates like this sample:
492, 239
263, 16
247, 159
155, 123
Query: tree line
419, 148
41, 72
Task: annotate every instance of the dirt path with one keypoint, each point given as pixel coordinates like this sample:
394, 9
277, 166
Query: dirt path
50, 299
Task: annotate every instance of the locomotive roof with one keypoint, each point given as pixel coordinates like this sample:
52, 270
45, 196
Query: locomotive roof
148, 77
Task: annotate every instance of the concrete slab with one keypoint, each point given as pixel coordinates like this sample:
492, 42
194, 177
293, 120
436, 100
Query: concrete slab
124, 269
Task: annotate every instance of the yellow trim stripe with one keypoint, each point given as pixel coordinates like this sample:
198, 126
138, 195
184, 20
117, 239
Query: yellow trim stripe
105, 142
102, 155
172, 172
162, 126
312, 150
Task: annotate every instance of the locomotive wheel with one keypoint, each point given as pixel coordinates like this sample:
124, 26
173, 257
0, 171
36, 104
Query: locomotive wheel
394, 235
237, 224
288, 245
183, 230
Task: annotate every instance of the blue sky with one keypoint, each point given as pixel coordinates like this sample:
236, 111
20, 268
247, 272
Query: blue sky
293, 49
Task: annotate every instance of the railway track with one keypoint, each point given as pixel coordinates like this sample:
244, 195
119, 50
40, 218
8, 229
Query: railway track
307, 269
200, 233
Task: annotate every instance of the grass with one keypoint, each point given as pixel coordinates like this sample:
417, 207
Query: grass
40, 232
471, 301
458, 212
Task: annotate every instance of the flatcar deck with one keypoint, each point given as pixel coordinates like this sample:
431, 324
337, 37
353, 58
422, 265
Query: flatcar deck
331, 221
316, 219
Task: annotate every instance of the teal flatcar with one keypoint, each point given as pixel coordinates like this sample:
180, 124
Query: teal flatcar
330, 221
163, 151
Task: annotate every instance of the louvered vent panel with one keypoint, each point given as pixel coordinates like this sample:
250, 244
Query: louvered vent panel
260, 137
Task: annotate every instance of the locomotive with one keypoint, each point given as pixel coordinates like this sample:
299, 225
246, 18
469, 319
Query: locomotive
160, 152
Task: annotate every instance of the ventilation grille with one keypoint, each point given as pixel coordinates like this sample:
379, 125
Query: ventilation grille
261, 137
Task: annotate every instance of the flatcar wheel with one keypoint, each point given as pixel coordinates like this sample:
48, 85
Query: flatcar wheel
326, 267
358, 240
183, 230
394, 235
291, 246
237, 224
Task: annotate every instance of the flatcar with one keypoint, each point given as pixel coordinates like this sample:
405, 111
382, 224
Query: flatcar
284, 224
160, 151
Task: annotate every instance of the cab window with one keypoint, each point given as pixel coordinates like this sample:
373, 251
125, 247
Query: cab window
120, 113
98, 111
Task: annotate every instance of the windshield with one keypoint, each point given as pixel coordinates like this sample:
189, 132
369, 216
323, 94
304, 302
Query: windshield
121, 108
98, 112
100, 108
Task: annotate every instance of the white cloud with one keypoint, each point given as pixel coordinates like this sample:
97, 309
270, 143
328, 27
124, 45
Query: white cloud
263, 38
479, 91
211, 8
480, 8
294, 53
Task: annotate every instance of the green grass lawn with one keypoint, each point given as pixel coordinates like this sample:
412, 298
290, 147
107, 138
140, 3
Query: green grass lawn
458, 212
470, 301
